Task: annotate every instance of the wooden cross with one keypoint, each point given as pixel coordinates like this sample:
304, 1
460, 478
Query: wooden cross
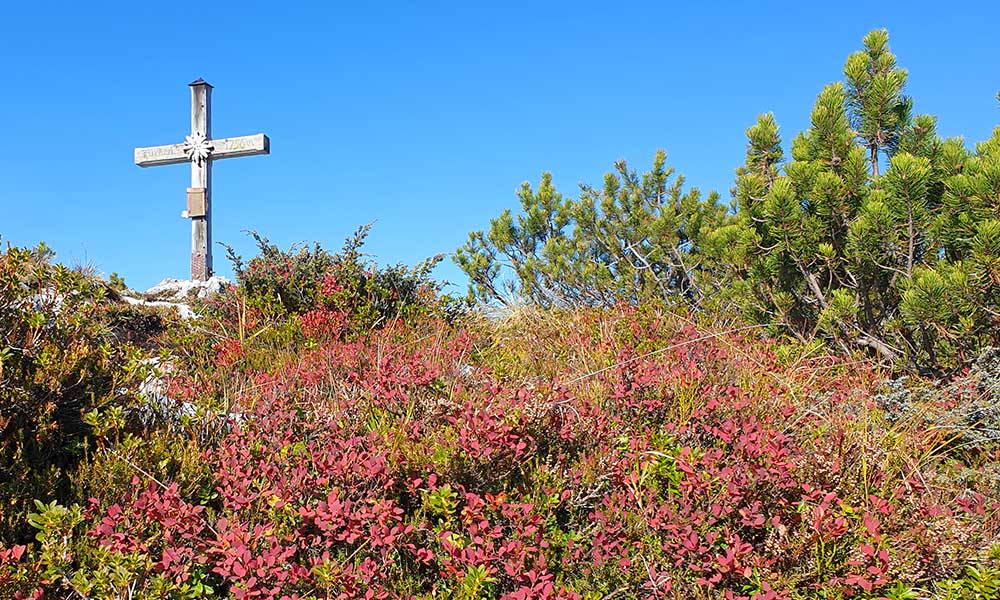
201, 151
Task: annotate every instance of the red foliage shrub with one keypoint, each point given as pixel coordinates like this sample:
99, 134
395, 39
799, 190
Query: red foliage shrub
406, 464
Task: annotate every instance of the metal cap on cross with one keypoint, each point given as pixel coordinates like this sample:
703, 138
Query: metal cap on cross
201, 150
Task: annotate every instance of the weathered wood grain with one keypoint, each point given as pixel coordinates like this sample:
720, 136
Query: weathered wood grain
154, 156
235, 147
201, 177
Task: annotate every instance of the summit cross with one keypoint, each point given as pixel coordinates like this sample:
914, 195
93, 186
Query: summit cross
201, 151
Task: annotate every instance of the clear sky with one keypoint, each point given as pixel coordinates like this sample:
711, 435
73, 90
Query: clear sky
422, 116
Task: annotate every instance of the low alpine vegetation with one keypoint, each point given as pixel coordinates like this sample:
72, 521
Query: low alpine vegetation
570, 454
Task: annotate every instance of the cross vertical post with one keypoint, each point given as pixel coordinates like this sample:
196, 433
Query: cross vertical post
201, 181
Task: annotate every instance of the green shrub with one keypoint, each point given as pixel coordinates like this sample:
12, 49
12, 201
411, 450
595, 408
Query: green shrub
304, 279
66, 351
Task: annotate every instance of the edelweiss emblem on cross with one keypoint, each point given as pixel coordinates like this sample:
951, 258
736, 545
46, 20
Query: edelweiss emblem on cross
198, 148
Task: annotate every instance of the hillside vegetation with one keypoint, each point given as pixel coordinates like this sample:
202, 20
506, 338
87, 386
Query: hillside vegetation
793, 398
875, 234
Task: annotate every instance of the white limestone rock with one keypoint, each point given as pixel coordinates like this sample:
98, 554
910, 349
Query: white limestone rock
179, 290
177, 293
185, 311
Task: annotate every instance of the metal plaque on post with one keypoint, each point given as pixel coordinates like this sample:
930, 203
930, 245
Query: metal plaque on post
195, 202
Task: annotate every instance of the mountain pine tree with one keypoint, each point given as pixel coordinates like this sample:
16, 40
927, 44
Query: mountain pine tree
898, 261
635, 237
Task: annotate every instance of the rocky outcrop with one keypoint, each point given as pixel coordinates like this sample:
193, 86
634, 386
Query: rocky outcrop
177, 294
181, 290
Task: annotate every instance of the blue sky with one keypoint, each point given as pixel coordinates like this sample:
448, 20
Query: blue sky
422, 116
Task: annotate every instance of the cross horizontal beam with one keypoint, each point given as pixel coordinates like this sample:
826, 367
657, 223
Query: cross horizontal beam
174, 154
